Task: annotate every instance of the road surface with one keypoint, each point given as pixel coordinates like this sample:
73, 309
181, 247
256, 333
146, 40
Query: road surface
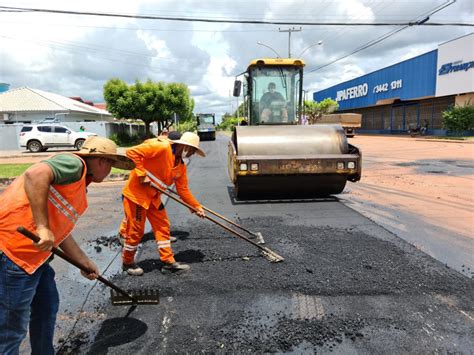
348, 284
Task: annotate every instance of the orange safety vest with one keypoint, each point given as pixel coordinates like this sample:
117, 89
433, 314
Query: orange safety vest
156, 156
66, 203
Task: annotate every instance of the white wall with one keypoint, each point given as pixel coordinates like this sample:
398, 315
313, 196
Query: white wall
456, 52
69, 117
9, 133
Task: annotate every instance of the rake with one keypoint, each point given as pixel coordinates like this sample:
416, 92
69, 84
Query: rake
270, 255
257, 235
119, 297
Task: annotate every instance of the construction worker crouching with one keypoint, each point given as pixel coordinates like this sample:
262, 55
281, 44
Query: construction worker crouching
158, 161
48, 198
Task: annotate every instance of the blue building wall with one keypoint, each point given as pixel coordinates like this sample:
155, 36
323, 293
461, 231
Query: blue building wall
410, 79
4, 87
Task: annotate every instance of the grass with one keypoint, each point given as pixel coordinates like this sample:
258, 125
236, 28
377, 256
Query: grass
14, 170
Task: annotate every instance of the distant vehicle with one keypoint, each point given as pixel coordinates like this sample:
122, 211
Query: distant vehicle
348, 121
39, 137
417, 130
206, 126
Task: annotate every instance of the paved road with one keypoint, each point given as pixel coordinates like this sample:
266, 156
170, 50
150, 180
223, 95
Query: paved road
347, 285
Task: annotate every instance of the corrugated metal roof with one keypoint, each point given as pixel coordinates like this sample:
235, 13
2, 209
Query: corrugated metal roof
28, 100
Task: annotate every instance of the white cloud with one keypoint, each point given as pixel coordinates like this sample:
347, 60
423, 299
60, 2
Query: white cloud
76, 55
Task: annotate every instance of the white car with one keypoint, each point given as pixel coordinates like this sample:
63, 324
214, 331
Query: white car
40, 137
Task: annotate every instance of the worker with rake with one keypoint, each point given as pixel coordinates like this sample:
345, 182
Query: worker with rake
159, 162
47, 198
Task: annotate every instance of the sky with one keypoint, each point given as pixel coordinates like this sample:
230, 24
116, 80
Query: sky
75, 55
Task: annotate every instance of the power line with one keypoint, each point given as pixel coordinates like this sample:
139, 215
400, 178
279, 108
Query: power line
425, 17
211, 20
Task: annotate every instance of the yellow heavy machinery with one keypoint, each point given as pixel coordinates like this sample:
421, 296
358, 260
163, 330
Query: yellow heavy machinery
273, 155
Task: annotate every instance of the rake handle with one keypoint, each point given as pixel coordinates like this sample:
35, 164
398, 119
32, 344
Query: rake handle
62, 255
209, 218
221, 217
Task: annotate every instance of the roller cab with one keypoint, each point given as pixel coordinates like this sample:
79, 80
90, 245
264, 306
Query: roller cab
275, 156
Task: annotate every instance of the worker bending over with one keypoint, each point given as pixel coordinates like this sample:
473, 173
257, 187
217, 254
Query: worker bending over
161, 158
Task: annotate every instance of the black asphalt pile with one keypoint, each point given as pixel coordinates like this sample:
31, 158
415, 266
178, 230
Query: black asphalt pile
104, 241
233, 299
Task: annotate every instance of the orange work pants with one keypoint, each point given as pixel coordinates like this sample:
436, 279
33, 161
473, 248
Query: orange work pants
133, 227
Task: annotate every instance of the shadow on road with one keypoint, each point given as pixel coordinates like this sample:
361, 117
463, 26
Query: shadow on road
115, 332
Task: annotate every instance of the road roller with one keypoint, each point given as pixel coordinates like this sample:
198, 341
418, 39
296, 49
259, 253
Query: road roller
206, 126
273, 155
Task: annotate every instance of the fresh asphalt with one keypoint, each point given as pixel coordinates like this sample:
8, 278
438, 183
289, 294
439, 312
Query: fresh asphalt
347, 285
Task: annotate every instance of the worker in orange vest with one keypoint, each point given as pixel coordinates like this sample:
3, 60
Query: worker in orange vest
161, 159
48, 198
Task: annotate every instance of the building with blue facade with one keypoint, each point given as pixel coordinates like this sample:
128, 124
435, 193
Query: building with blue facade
411, 93
4, 87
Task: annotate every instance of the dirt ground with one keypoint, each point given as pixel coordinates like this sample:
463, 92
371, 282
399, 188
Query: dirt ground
421, 190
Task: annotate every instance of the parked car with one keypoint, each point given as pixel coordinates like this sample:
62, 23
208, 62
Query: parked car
40, 137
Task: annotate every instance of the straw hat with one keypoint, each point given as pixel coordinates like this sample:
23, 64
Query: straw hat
189, 139
96, 146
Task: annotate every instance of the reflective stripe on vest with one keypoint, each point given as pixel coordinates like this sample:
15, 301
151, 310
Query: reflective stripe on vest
65, 204
64, 207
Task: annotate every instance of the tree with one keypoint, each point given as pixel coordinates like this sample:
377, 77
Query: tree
149, 101
314, 110
241, 110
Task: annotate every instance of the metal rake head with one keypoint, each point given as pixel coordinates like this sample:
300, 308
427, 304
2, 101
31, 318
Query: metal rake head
272, 256
136, 297
259, 238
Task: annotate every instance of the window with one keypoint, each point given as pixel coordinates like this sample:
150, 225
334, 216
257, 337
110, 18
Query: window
45, 129
27, 129
60, 130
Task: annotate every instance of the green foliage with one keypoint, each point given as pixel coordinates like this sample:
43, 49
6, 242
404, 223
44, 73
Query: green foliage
241, 110
228, 122
149, 101
314, 110
124, 139
187, 126
459, 118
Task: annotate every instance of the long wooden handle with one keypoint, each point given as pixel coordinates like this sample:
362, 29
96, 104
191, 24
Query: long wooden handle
221, 217
62, 255
170, 195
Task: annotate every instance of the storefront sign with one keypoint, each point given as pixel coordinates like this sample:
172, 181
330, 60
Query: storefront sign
352, 92
363, 89
455, 66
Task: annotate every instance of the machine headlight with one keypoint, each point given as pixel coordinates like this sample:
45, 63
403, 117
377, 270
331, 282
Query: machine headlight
351, 165
243, 167
254, 166
340, 165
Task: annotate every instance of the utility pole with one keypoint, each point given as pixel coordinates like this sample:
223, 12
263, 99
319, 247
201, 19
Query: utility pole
289, 30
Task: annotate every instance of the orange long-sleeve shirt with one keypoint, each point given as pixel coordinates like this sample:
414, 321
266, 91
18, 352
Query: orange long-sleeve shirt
156, 156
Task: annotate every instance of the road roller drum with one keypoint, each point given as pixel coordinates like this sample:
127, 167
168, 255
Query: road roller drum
291, 161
